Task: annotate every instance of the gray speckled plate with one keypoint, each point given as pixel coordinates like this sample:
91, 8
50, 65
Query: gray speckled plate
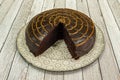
57, 57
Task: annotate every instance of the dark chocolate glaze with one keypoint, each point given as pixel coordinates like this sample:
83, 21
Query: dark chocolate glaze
77, 30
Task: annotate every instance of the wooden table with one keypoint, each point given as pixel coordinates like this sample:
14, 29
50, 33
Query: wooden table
16, 13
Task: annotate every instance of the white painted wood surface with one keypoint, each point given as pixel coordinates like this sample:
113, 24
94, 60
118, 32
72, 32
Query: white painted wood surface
108, 58
16, 13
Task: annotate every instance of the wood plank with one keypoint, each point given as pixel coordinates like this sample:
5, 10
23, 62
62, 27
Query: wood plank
48, 5
115, 9
92, 71
19, 69
8, 20
48, 74
24, 65
9, 49
75, 74
107, 58
112, 28
53, 75
35, 73
82, 6
108, 65
4, 8
59, 4
71, 4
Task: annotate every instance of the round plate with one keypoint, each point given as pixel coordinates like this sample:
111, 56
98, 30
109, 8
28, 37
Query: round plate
57, 57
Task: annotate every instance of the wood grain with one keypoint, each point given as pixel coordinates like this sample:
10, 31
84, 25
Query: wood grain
112, 28
4, 8
115, 9
35, 73
107, 58
59, 4
8, 20
9, 49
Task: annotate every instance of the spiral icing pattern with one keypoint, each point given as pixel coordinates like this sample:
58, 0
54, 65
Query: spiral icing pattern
79, 26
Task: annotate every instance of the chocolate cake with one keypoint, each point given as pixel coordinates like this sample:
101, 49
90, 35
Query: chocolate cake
77, 30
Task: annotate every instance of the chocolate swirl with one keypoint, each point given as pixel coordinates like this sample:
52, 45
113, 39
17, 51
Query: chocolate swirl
74, 27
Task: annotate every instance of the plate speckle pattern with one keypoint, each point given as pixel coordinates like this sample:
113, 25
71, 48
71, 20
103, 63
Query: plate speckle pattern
57, 57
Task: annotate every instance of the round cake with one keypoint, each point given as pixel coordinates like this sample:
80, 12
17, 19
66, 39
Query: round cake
77, 30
